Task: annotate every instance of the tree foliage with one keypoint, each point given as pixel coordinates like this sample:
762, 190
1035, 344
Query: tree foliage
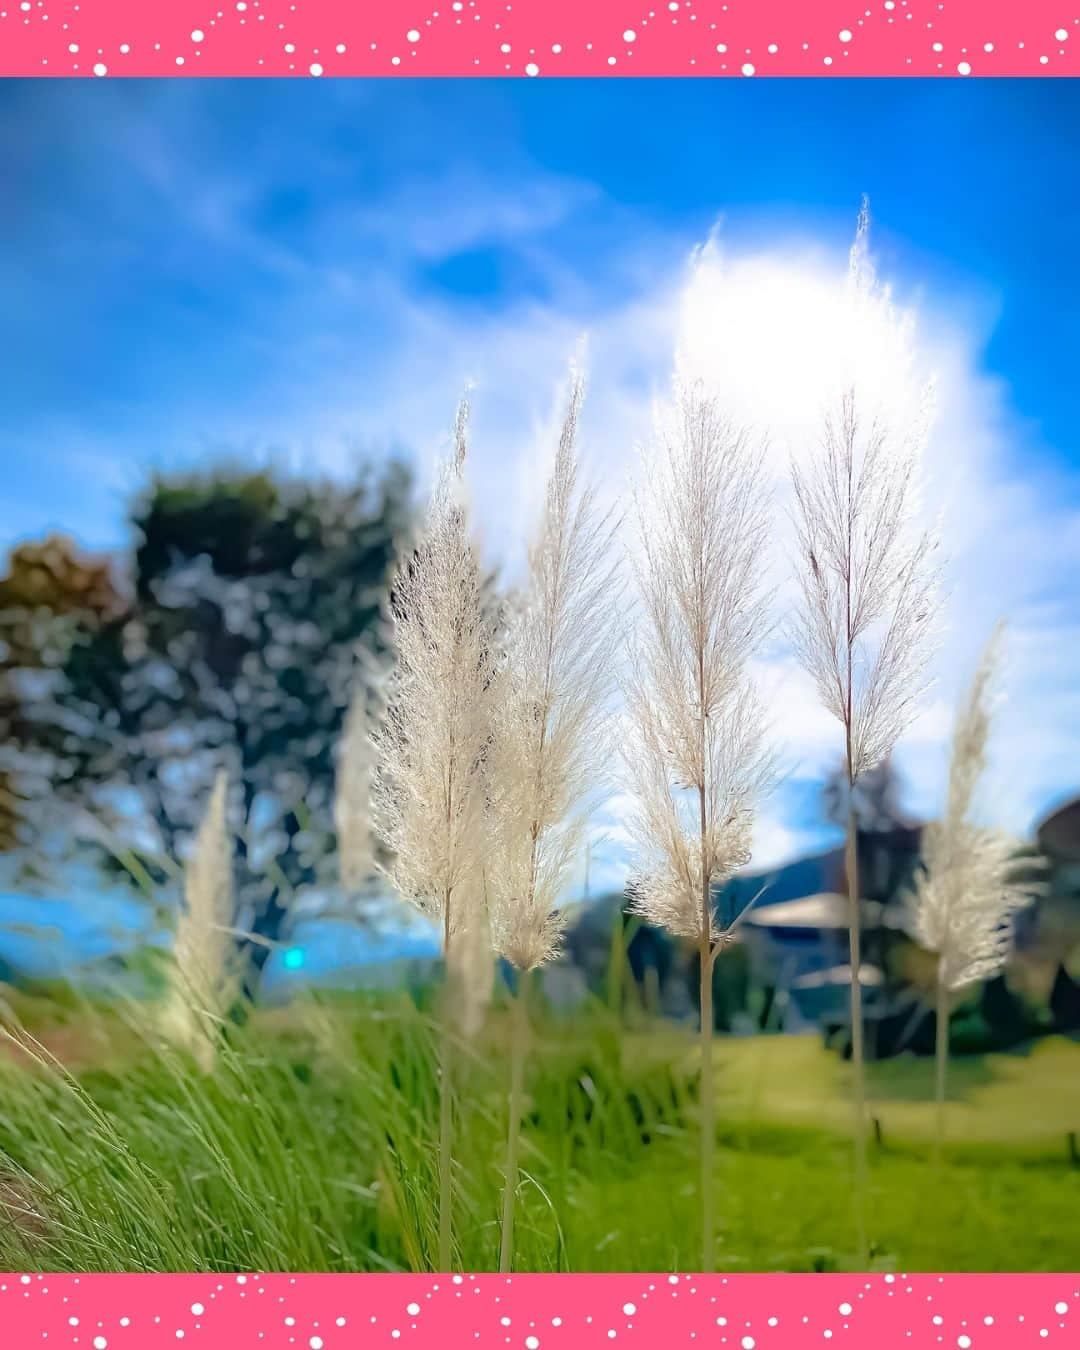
232, 645
54, 602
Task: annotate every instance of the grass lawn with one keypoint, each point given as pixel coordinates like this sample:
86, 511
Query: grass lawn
1029, 1099
312, 1147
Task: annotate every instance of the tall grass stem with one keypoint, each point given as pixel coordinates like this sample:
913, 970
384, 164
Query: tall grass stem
708, 1111
941, 1068
858, 1066
519, 1044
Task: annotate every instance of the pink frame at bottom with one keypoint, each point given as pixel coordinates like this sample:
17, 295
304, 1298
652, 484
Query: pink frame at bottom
538, 1312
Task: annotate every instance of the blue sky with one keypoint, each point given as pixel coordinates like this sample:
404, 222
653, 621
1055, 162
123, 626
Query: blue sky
311, 271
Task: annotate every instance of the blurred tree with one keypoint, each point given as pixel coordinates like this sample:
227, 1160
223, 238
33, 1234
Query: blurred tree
888, 841
53, 599
9, 812
876, 797
250, 596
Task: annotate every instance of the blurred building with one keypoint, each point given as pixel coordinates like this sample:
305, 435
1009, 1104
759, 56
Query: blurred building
790, 968
1047, 957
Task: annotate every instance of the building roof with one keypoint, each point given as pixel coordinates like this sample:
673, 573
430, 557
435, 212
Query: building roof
870, 977
826, 910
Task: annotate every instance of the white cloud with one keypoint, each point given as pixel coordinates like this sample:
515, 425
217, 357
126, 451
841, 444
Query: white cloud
777, 841
770, 329
767, 325
434, 218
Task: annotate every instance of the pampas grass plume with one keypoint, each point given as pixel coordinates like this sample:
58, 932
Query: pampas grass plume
204, 976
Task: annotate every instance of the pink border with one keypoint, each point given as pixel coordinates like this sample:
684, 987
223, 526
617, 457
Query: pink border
539, 1312
539, 37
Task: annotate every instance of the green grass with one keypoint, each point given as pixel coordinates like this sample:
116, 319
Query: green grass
312, 1147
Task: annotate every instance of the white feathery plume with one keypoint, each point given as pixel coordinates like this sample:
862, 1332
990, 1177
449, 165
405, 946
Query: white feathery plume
471, 963
869, 578
204, 976
547, 752
963, 899
698, 761
674, 858
431, 793
546, 755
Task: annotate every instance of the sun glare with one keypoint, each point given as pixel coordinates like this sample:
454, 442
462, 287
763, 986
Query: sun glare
781, 336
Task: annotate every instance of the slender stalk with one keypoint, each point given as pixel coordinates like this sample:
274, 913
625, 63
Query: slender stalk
857, 1066
869, 583
446, 1122
519, 1037
698, 723
429, 790
547, 753
965, 895
941, 1054
708, 1110
708, 1104
854, 930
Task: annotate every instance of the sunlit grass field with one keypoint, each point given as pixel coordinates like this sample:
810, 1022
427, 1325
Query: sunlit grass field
311, 1146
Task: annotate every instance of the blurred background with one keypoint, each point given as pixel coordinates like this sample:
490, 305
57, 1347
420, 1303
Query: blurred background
236, 319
